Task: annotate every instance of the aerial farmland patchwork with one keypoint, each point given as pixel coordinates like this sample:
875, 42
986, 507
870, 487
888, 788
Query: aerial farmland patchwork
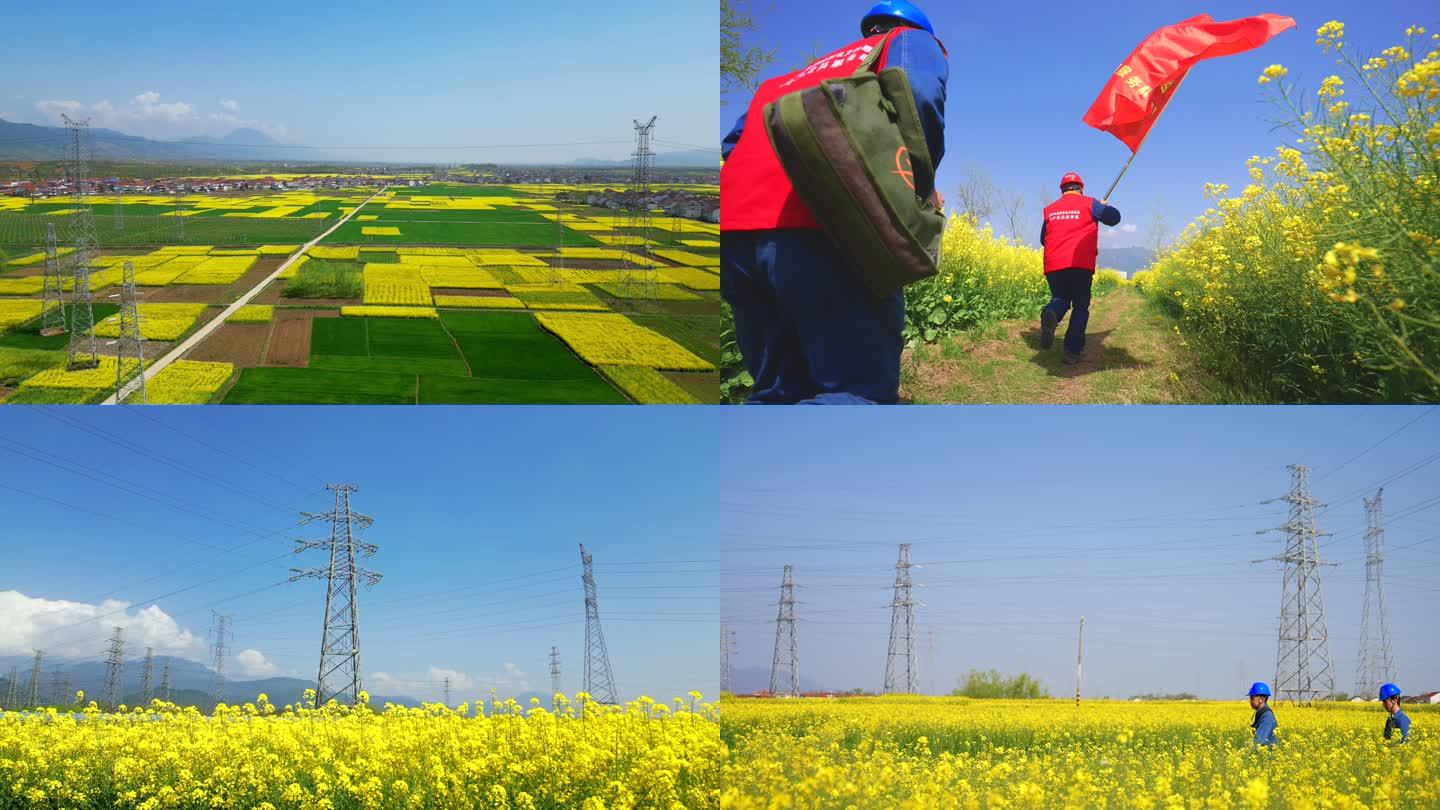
416, 294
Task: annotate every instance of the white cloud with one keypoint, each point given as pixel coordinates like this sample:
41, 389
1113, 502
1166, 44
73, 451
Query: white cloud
78, 629
253, 662
55, 109
1128, 228
148, 106
230, 104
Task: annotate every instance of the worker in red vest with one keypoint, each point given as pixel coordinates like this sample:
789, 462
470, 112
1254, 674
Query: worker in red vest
1070, 235
809, 332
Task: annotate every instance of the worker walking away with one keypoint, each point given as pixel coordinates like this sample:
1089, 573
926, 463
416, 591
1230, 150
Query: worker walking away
1397, 721
1264, 723
810, 331
1070, 235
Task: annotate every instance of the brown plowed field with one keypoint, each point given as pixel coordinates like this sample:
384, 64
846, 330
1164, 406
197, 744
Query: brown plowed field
290, 337
239, 343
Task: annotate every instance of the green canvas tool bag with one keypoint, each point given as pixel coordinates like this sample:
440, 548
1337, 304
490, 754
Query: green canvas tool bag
855, 152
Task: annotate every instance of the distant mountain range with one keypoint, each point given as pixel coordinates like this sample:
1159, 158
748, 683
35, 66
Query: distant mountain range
34, 142
1126, 260
694, 159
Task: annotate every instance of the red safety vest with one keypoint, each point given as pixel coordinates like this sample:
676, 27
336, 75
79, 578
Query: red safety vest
1072, 238
755, 193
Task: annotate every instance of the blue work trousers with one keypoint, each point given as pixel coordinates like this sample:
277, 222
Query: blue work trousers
1070, 290
810, 333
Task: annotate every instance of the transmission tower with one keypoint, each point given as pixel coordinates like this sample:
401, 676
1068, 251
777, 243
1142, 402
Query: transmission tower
119, 210
901, 674
219, 639
32, 700
52, 322
785, 665
930, 664
81, 352
128, 344
1303, 669
339, 674
57, 686
12, 688
114, 660
447, 690
165, 681
1375, 665
599, 681
179, 221
147, 671
639, 280
554, 671
557, 270
725, 645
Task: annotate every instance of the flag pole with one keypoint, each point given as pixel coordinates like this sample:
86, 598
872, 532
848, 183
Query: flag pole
1126, 167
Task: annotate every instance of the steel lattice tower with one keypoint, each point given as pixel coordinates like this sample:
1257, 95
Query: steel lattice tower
119, 211
128, 344
33, 698
219, 637
901, 674
339, 674
147, 672
447, 690
726, 644
785, 665
81, 352
599, 681
165, 681
554, 672
12, 688
557, 271
639, 281
53, 300
179, 221
57, 686
1375, 664
114, 661
1303, 668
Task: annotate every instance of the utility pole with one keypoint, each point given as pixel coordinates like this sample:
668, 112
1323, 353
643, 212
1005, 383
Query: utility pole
785, 664
554, 673
901, 674
219, 636
52, 322
146, 671
1079, 659
599, 680
339, 674
33, 699
114, 661
81, 353
1303, 668
1375, 664
724, 657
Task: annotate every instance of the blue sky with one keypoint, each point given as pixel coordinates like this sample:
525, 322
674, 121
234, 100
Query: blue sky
477, 514
368, 73
1143, 520
1022, 75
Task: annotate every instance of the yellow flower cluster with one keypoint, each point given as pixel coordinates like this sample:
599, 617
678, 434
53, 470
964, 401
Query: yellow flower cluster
157, 321
950, 753
187, 382
389, 312
611, 339
94, 379
478, 302
580, 755
647, 386
218, 270
335, 253
1315, 282
22, 285
253, 313
13, 313
689, 259
379, 230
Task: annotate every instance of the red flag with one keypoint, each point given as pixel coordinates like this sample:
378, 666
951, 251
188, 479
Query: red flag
1141, 87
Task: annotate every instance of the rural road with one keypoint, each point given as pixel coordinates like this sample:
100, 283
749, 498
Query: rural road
215, 323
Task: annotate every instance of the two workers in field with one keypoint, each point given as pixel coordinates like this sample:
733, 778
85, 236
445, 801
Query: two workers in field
1264, 723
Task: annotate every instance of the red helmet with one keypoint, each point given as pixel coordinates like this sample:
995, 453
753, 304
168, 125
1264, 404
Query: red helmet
1069, 178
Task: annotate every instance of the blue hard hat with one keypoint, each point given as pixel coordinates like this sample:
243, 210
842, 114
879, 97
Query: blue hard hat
1259, 688
1388, 691
898, 10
